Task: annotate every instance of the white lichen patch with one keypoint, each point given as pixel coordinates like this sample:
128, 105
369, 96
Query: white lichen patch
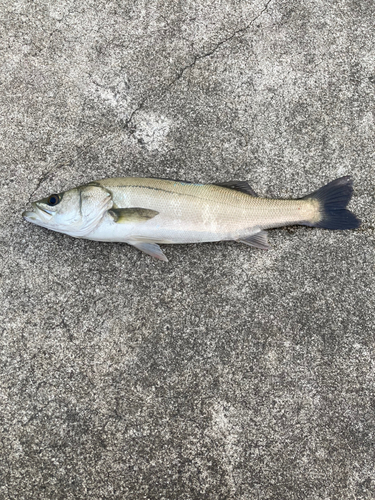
112, 90
152, 130
57, 10
225, 430
367, 123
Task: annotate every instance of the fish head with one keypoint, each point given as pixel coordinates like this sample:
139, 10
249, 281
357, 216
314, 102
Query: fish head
75, 212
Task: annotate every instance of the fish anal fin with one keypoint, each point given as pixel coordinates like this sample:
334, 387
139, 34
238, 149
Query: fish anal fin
136, 214
241, 186
258, 240
150, 248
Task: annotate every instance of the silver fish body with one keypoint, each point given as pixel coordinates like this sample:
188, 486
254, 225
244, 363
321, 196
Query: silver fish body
146, 212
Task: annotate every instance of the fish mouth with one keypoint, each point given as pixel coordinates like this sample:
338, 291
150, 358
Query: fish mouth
38, 215
27, 214
38, 206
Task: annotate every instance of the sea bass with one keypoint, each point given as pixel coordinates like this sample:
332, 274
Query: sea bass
147, 212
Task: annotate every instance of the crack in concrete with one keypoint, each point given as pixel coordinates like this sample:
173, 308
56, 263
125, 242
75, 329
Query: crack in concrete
132, 128
127, 126
197, 58
44, 177
47, 174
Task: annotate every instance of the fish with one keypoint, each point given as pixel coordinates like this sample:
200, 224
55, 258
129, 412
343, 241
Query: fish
148, 212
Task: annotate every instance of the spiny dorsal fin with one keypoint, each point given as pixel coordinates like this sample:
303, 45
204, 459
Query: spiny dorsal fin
136, 214
242, 186
258, 240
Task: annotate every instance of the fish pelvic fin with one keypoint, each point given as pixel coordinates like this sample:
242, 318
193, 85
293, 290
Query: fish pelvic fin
258, 240
333, 199
150, 248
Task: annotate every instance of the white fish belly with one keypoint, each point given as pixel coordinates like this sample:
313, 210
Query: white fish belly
159, 230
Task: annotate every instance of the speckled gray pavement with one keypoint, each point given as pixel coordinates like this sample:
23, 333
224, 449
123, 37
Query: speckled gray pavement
229, 372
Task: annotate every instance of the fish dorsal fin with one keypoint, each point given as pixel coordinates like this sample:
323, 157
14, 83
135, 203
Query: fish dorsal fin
241, 186
126, 215
258, 240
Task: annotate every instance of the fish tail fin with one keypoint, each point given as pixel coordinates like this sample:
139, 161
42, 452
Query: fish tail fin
333, 199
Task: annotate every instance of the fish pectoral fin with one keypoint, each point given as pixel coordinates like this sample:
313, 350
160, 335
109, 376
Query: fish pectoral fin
241, 186
136, 214
258, 240
150, 248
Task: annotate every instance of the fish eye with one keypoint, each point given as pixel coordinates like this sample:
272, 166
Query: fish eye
53, 200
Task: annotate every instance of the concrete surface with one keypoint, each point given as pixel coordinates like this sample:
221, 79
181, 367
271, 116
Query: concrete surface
228, 373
